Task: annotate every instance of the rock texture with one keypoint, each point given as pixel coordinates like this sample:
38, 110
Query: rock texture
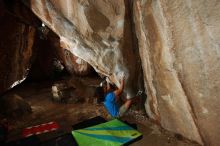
20, 48
97, 31
47, 52
178, 45
14, 106
73, 64
180, 53
15, 50
179, 49
76, 65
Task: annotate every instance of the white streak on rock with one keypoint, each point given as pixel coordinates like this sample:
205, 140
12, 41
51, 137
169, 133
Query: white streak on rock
17, 82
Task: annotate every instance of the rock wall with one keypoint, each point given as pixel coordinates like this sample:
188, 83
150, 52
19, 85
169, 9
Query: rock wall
76, 65
57, 50
97, 31
16, 41
178, 46
180, 52
47, 53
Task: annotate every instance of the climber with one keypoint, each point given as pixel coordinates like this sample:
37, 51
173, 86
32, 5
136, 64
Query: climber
111, 98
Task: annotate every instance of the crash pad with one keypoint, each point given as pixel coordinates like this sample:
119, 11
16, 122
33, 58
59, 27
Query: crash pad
111, 133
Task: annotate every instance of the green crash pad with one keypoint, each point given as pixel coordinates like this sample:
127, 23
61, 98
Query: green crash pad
111, 133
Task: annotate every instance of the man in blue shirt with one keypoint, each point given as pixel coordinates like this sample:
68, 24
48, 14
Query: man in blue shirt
111, 98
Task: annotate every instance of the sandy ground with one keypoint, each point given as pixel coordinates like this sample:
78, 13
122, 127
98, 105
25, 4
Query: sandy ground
38, 95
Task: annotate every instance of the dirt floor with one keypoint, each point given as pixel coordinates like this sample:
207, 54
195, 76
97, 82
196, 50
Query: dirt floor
44, 109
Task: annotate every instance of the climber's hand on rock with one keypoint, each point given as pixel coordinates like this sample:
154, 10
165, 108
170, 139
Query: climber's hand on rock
122, 79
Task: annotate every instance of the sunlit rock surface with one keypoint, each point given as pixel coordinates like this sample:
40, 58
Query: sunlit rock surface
99, 32
180, 53
16, 41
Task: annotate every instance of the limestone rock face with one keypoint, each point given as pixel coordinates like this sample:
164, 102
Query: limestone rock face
180, 53
15, 50
97, 31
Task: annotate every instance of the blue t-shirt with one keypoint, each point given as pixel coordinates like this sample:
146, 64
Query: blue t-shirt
111, 105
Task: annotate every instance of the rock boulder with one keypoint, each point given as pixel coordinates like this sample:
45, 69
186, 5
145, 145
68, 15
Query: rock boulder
179, 49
